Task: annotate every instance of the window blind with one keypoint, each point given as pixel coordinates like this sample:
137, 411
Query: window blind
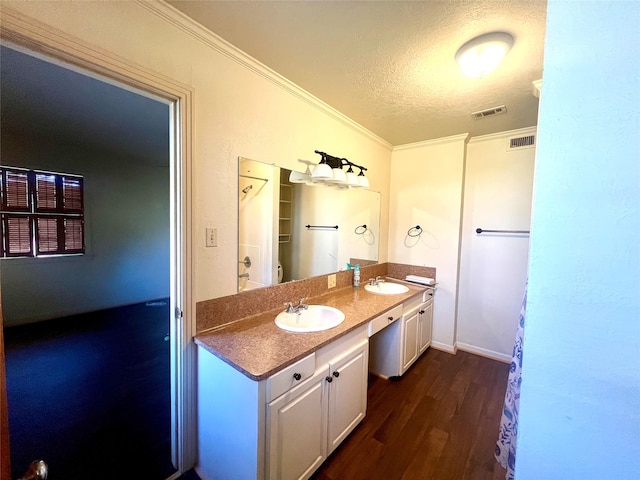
42, 213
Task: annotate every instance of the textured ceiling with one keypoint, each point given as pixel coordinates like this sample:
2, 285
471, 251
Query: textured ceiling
389, 65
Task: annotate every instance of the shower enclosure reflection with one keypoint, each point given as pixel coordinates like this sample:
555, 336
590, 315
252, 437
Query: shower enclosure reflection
288, 230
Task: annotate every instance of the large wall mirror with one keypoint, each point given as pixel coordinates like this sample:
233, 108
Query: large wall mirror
291, 231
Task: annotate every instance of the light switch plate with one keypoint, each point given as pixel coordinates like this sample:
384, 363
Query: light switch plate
212, 237
331, 281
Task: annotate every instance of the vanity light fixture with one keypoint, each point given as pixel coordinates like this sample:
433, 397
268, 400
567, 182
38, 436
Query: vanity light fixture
483, 54
329, 171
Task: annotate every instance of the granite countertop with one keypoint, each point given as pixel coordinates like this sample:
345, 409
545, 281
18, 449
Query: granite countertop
258, 348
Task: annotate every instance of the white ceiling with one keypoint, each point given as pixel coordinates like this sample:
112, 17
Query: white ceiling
389, 65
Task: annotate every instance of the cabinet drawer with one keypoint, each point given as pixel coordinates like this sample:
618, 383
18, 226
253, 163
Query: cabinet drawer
387, 318
428, 294
291, 376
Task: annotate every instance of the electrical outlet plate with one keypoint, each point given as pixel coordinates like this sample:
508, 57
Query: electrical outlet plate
331, 281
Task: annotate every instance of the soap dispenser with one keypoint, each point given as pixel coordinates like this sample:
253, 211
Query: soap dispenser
356, 275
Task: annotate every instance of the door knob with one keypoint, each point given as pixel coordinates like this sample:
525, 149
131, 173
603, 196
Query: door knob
38, 470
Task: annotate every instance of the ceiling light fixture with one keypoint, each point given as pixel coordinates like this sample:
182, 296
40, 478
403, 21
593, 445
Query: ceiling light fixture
483, 54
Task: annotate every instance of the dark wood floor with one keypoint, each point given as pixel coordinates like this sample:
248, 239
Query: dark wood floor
439, 421
90, 394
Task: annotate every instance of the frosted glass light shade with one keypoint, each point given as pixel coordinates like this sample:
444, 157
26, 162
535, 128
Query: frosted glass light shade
483, 54
339, 176
352, 179
298, 177
364, 181
321, 173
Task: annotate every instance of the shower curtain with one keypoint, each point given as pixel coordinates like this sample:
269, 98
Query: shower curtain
507, 435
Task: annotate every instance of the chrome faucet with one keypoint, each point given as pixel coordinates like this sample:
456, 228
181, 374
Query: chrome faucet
375, 281
296, 308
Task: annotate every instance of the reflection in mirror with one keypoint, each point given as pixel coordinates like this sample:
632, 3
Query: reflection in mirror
288, 230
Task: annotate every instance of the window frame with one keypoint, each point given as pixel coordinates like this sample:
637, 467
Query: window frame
40, 211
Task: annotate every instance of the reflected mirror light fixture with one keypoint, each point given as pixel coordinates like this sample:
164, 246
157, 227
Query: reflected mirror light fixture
483, 54
329, 171
299, 177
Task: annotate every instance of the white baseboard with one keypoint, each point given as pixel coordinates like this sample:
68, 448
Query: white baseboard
483, 352
444, 347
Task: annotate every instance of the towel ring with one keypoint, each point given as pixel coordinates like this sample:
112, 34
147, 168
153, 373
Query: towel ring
360, 229
415, 231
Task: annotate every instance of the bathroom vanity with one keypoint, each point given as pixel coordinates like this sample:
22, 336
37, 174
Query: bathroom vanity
395, 348
273, 404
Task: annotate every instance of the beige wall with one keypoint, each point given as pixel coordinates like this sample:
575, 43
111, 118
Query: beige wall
450, 187
426, 190
240, 109
498, 187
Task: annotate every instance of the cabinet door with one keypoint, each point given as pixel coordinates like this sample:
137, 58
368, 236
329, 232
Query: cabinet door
347, 393
297, 430
410, 340
425, 322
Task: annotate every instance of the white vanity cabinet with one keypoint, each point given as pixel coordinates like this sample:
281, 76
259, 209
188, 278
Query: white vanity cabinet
425, 323
409, 338
307, 423
417, 326
296, 427
394, 348
285, 426
347, 399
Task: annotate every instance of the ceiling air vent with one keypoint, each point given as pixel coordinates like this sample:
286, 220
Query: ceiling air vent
489, 112
527, 141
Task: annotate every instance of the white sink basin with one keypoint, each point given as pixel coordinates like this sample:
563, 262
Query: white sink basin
386, 288
314, 319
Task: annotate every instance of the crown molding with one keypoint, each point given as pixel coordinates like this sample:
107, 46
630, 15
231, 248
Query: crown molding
537, 88
505, 134
186, 24
436, 141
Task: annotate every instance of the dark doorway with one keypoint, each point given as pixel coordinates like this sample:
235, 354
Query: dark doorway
90, 393
86, 336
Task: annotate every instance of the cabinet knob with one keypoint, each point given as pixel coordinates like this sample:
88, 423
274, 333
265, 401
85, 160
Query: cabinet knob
421, 312
329, 379
336, 374
297, 376
390, 319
